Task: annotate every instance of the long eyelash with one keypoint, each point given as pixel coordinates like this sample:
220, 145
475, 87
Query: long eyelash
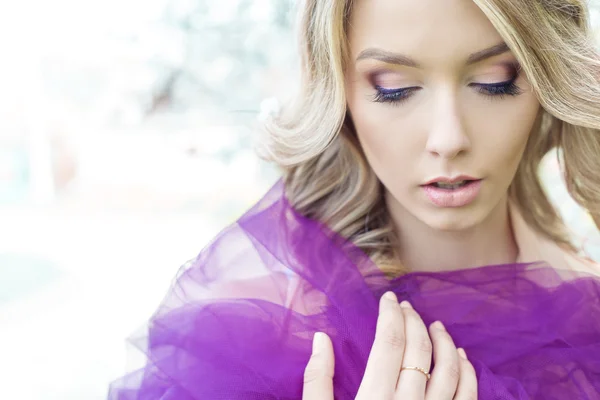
499, 90
392, 96
494, 91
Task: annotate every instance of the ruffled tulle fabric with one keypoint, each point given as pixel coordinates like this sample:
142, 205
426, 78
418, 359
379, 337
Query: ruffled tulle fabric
239, 319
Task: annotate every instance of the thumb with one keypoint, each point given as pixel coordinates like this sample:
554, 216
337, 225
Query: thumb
318, 375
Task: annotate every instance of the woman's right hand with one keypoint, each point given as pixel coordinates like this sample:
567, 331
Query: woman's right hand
401, 340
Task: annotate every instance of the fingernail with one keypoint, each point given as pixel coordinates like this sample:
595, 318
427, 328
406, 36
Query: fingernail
318, 342
390, 296
462, 353
386, 299
405, 304
438, 325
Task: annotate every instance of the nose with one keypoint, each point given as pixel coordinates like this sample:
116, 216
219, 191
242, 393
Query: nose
447, 136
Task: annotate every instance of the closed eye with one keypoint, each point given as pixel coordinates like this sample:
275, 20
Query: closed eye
499, 90
494, 90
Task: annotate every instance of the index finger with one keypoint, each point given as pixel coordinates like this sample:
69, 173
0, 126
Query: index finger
318, 375
385, 359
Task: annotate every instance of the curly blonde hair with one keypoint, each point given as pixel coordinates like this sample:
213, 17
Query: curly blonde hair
328, 178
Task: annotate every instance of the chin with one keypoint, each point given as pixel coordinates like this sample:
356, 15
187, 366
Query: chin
449, 225
453, 219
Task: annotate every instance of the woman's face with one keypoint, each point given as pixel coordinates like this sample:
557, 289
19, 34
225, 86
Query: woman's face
435, 94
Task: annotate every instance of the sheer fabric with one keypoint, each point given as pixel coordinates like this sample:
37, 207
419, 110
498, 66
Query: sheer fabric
239, 319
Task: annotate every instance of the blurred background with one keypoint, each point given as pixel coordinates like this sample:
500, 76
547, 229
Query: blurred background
126, 133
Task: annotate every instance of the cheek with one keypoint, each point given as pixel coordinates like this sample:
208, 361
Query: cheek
506, 134
504, 145
388, 137
388, 145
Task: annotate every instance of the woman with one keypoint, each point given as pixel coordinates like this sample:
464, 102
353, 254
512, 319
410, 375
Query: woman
410, 168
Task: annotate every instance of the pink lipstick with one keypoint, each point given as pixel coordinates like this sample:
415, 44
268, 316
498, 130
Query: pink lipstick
452, 192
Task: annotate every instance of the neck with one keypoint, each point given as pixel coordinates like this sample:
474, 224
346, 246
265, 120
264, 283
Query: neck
423, 248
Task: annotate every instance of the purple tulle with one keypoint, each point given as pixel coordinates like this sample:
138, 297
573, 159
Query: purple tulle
239, 320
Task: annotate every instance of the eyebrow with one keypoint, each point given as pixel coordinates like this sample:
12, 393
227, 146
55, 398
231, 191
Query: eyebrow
399, 59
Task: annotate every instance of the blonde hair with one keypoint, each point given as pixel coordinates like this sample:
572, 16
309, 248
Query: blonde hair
328, 178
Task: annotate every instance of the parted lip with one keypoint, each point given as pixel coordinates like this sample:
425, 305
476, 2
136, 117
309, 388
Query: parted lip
449, 181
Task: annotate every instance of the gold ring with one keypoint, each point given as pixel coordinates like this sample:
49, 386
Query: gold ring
421, 370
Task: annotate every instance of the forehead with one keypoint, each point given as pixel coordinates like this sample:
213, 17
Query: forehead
431, 31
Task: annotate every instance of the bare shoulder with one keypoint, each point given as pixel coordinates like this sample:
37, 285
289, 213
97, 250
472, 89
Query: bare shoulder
583, 264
